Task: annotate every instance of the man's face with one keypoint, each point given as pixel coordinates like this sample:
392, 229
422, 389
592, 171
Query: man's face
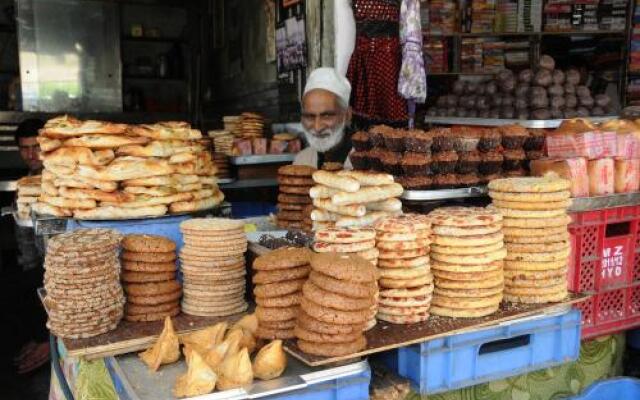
323, 120
30, 152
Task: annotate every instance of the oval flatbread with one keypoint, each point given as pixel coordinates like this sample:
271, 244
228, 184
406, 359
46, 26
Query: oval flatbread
530, 185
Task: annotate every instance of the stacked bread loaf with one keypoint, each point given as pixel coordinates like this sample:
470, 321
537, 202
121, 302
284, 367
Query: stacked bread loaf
356, 241
279, 276
467, 261
406, 283
353, 198
537, 241
294, 182
103, 170
29, 189
149, 278
213, 267
84, 297
336, 304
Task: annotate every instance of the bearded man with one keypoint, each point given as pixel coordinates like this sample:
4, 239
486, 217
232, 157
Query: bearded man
326, 117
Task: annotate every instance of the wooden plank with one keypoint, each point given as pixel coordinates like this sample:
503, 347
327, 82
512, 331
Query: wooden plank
385, 336
130, 337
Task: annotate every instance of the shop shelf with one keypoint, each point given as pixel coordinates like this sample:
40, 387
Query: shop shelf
164, 226
484, 355
299, 382
616, 388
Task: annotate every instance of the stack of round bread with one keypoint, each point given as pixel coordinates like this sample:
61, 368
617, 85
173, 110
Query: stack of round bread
252, 125
221, 161
84, 297
104, 170
467, 261
535, 231
232, 124
336, 304
294, 182
29, 189
279, 276
358, 241
222, 141
406, 282
213, 267
307, 223
353, 198
149, 278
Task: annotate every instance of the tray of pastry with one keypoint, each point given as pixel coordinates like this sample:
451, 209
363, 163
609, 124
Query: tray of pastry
444, 194
580, 204
262, 159
532, 123
140, 384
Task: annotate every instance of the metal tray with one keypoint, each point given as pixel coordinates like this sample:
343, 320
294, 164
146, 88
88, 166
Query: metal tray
579, 204
533, 123
262, 159
444, 194
140, 384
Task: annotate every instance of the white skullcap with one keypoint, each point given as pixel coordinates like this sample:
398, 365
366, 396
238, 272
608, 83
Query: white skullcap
328, 79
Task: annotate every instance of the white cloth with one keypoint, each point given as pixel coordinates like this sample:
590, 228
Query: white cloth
344, 29
328, 79
309, 156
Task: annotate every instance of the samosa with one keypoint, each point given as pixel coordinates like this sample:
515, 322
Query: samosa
270, 362
235, 371
229, 347
246, 338
248, 322
199, 379
205, 339
165, 351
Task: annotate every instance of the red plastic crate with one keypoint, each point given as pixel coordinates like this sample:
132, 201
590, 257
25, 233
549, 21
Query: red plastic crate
603, 248
610, 311
605, 260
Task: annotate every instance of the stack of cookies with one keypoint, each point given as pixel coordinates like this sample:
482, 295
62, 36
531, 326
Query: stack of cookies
84, 297
357, 241
405, 282
307, 223
294, 183
467, 261
222, 141
251, 125
535, 231
279, 276
336, 304
213, 267
353, 198
149, 278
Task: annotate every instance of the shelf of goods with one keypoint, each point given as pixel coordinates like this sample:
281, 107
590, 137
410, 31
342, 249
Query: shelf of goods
262, 159
532, 123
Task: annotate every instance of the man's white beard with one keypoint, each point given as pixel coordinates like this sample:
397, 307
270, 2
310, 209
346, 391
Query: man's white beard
324, 144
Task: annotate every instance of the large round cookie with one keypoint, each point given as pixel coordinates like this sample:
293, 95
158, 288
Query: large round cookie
148, 244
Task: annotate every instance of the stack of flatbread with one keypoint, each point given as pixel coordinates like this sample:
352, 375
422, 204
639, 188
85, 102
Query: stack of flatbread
28, 192
232, 124
358, 241
252, 125
104, 170
221, 162
222, 141
406, 282
535, 231
294, 182
353, 198
467, 261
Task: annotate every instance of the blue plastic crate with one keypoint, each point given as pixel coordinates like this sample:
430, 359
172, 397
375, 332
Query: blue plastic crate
497, 352
353, 387
617, 388
163, 226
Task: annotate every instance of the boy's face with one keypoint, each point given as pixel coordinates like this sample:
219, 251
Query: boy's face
30, 153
